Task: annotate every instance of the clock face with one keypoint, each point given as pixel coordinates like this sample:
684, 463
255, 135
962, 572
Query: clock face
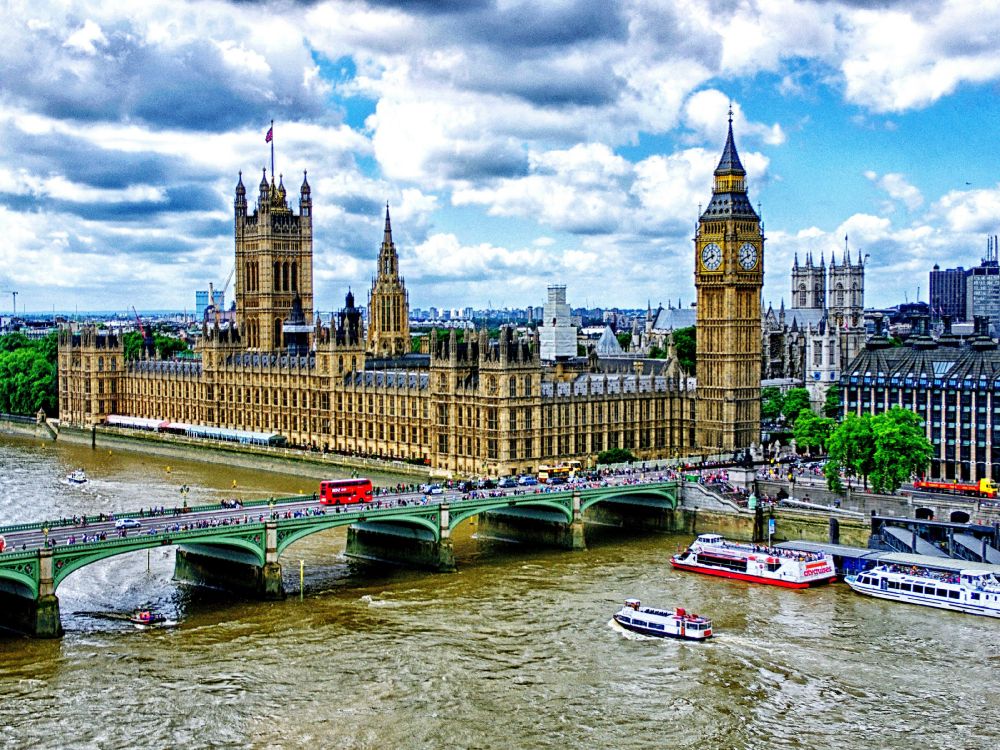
711, 256
748, 256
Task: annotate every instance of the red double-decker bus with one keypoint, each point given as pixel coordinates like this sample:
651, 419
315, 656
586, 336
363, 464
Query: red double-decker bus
345, 491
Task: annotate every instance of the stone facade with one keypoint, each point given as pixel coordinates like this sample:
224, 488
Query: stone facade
388, 303
472, 407
815, 339
729, 275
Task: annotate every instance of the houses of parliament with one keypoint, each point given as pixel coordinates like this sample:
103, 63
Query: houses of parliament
476, 406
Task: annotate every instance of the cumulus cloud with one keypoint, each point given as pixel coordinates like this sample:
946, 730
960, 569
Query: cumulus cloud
896, 187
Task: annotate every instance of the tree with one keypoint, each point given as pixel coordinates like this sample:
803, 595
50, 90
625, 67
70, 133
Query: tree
772, 400
851, 447
615, 456
28, 375
811, 430
796, 400
832, 405
624, 340
887, 448
656, 352
901, 449
686, 346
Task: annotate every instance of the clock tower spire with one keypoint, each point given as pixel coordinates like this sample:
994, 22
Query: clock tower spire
728, 277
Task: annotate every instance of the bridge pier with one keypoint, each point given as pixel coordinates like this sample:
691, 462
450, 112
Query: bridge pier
232, 570
39, 616
536, 526
404, 544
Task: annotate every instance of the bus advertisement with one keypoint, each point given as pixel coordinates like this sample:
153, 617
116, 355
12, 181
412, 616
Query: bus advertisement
345, 491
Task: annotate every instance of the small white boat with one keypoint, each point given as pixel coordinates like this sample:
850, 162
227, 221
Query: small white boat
973, 591
78, 476
663, 623
797, 569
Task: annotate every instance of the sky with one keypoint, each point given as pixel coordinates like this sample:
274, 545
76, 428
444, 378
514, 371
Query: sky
517, 143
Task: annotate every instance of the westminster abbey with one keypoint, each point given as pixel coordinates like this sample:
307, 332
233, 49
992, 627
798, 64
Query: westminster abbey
475, 406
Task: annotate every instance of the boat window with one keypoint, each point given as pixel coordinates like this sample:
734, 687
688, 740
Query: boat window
904, 587
893, 584
975, 597
953, 594
918, 589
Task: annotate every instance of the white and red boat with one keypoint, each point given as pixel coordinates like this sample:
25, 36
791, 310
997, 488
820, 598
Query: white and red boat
795, 569
663, 623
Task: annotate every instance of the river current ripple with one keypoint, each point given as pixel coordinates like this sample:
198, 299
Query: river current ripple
516, 650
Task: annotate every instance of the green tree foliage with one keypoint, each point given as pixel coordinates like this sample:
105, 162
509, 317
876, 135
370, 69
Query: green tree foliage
686, 346
28, 375
165, 346
615, 456
901, 449
796, 400
851, 448
168, 346
772, 401
132, 342
656, 352
811, 430
832, 405
624, 339
888, 448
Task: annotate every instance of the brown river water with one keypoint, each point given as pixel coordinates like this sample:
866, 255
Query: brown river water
515, 650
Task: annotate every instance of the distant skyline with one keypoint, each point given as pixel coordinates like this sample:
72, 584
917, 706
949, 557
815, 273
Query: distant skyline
518, 144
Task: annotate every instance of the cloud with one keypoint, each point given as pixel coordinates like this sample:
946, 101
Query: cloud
970, 210
705, 114
908, 58
897, 188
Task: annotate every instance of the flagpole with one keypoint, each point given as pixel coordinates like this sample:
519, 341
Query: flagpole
272, 150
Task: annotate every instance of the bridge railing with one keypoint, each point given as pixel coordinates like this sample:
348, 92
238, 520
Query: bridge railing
175, 512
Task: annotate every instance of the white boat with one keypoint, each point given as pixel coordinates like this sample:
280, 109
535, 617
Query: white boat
967, 590
791, 568
663, 623
78, 476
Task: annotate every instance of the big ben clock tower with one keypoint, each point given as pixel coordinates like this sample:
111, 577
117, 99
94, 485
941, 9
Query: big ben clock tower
728, 276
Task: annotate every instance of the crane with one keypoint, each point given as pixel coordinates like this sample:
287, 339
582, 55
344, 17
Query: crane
211, 294
147, 335
12, 292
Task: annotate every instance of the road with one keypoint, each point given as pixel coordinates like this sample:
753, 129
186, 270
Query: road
65, 531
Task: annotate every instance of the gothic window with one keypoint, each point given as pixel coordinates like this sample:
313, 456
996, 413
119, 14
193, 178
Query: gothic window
527, 385
100, 364
284, 277
818, 354
513, 386
276, 277
295, 277
840, 295
802, 295
276, 341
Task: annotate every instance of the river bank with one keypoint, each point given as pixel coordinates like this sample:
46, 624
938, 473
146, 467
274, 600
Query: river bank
265, 458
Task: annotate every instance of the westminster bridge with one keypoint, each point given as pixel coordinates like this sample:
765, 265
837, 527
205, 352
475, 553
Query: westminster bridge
237, 547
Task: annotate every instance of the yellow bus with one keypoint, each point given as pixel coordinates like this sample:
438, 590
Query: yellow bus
564, 470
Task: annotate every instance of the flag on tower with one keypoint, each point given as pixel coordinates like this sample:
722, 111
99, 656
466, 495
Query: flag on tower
270, 134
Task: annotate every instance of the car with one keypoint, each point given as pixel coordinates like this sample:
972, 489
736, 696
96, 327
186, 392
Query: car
557, 480
506, 483
433, 489
486, 484
527, 481
127, 523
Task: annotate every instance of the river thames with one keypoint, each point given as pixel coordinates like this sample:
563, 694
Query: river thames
516, 650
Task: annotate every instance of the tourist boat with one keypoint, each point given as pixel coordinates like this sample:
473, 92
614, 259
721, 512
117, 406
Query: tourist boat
78, 476
663, 623
796, 569
147, 617
968, 590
